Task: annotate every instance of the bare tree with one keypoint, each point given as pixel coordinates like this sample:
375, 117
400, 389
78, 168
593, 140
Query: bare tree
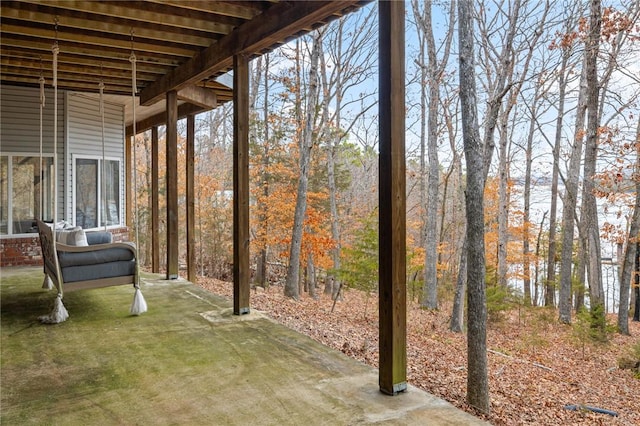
589, 206
569, 206
477, 378
291, 288
630, 253
346, 60
431, 75
566, 69
529, 45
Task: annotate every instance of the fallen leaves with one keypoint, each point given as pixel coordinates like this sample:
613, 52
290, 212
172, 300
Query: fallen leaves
534, 368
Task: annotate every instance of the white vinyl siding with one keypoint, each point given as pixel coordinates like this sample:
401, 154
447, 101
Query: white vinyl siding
20, 127
84, 133
79, 125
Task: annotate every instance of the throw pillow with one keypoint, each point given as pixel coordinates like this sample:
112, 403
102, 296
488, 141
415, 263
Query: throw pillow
72, 237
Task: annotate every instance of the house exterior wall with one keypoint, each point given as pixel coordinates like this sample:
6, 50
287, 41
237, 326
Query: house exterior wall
20, 126
84, 139
79, 134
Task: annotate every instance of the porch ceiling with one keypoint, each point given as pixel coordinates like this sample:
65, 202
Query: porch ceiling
177, 43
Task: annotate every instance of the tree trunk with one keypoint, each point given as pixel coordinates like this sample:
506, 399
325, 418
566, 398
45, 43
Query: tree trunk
550, 282
261, 267
594, 264
311, 276
636, 285
569, 207
536, 295
579, 275
527, 201
332, 154
477, 378
457, 316
630, 254
293, 272
434, 71
503, 208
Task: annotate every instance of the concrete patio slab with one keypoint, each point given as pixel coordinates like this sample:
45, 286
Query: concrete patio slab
187, 361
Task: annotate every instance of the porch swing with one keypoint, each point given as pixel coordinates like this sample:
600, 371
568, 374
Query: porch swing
74, 260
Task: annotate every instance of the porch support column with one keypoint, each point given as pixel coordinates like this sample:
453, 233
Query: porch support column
155, 202
392, 203
240, 185
172, 185
191, 218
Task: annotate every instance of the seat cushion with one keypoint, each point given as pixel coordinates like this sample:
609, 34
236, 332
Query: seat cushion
94, 257
93, 272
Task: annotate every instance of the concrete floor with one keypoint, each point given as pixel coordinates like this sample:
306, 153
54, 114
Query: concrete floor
188, 361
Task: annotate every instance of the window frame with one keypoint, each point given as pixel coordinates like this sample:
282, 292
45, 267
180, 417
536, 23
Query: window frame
100, 200
11, 155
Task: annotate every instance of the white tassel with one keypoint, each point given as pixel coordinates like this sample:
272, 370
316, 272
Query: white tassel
47, 284
58, 314
139, 305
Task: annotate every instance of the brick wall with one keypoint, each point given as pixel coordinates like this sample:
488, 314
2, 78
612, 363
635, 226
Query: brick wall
20, 251
25, 251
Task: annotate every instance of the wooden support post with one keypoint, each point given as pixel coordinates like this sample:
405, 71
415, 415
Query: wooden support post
172, 185
392, 202
191, 218
155, 202
240, 185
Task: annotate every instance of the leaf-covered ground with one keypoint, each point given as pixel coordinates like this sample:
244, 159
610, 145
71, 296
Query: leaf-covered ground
536, 366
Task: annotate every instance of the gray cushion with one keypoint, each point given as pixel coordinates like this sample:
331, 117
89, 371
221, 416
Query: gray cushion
99, 237
94, 257
106, 270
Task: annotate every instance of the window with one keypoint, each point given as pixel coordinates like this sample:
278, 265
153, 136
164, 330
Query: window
26, 192
97, 192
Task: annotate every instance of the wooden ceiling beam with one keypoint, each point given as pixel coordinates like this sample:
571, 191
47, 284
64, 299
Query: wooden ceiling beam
35, 66
128, 10
72, 84
278, 23
104, 54
232, 9
81, 21
29, 57
122, 42
161, 118
200, 96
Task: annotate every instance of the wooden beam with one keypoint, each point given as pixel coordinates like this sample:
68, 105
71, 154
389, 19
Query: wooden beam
240, 185
155, 202
160, 119
392, 202
199, 96
100, 42
86, 22
172, 185
279, 22
233, 9
127, 11
191, 195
